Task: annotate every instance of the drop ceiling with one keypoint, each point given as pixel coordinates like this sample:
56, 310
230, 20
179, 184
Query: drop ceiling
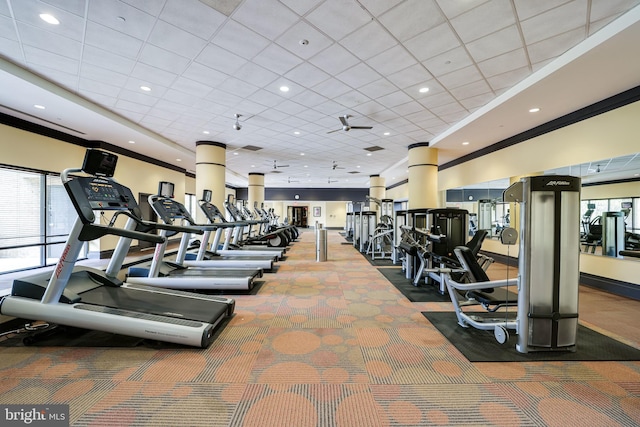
485, 64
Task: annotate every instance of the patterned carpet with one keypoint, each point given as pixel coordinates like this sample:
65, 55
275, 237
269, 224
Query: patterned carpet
321, 344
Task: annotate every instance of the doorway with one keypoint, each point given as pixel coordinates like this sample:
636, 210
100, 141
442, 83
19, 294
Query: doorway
298, 215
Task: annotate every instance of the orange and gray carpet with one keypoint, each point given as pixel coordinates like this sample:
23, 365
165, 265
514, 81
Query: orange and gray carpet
321, 344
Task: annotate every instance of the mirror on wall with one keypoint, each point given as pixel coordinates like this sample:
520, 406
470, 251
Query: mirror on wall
609, 208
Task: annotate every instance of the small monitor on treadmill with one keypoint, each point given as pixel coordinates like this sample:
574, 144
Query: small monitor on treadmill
206, 195
165, 189
591, 205
99, 163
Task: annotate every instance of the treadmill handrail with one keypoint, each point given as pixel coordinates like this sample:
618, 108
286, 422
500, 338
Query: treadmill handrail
95, 231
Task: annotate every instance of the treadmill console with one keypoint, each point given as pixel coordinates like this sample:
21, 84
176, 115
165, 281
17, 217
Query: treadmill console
89, 194
169, 210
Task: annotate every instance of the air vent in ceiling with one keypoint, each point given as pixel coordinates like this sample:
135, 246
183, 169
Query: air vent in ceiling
251, 148
374, 148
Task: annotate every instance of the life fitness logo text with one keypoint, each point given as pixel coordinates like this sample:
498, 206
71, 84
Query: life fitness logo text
63, 258
558, 183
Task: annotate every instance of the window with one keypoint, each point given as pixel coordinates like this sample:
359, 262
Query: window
191, 204
36, 216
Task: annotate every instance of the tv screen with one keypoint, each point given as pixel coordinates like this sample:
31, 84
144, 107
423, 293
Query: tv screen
99, 163
206, 195
165, 189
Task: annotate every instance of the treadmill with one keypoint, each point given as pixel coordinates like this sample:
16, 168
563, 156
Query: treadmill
216, 273
94, 299
231, 229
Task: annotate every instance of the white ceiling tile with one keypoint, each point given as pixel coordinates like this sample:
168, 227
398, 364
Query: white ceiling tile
28, 12
289, 107
554, 46
131, 107
601, 10
503, 63
307, 75
315, 40
255, 75
366, 109
527, 8
152, 7
433, 42
484, 19
267, 17
137, 97
338, 18
176, 40
368, 40
101, 74
7, 30
192, 87
358, 75
378, 7
495, 44
436, 100
203, 74
163, 59
409, 108
351, 99
240, 40
46, 41
448, 62
301, 7
220, 59
378, 88
559, 20
309, 98
412, 17
112, 41
136, 23
99, 88
331, 88
470, 90
107, 60
267, 98
197, 19
238, 87
277, 59
393, 99
11, 50
454, 8
334, 59
391, 60
508, 79
51, 61
414, 75
143, 74
461, 77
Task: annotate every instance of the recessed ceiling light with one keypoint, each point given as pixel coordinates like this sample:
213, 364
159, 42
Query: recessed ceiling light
387, 133
423, 90
131, 142
368, 154
284, 88
302, 154
178, 160
358, 166
235, 153
253, 166
296, 133
534, 110
206, 132
49, 19
465, 143
39, 107
306, 166
145, 88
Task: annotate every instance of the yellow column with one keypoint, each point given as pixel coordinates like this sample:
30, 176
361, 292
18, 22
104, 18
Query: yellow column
211, 167
255, 190
423, 176
377, 190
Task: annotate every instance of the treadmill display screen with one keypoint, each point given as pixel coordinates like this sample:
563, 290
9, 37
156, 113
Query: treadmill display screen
102, 192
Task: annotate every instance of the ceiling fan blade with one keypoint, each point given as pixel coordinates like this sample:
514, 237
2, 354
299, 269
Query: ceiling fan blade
343, 120
361, 127
332, 131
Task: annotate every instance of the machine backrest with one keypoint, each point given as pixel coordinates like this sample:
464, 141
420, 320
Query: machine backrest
470, 263
476, 241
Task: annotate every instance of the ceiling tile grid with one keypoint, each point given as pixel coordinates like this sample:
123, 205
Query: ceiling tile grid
205, 62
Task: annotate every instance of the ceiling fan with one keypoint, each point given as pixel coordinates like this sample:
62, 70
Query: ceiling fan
335, 166
276, 166
345, 125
